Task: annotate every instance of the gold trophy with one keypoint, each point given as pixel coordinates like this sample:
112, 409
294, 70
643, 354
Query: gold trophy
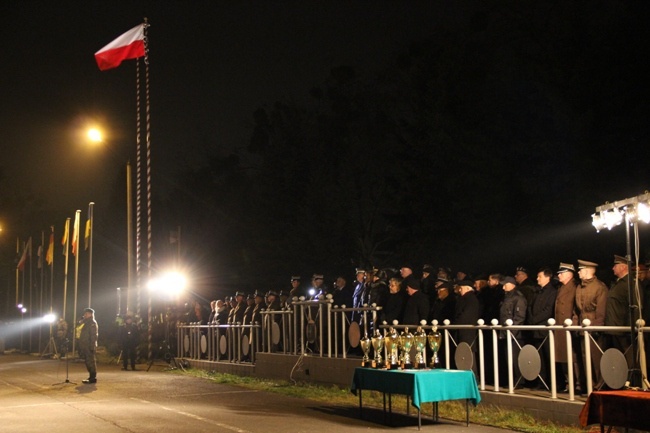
406, 341
378, 345
435, 339
392, 346
365, 346
420, 339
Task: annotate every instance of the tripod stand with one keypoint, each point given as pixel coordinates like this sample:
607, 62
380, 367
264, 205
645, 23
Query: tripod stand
64, 350
167, 357
51, 346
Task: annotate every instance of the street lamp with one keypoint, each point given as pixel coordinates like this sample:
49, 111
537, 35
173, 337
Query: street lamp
609, 215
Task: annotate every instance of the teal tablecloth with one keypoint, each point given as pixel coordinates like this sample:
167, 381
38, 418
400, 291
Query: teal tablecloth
421, 385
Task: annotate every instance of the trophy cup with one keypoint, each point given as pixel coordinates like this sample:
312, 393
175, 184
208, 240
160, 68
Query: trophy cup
378, 345
420, 339
392, 345
406, 341
365, 346
435, 338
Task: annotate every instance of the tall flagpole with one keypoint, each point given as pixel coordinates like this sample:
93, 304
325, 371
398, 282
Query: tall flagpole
149, 246
66, 250
129, 237
51, 267
90, 231
75, 248
17, 270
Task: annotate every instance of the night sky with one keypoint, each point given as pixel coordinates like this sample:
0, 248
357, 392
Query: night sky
539, 112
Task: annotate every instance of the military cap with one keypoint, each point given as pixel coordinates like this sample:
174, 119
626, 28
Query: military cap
271, 293
238, 293
295, 278
428, 268
89, 310
585, 264
442, 280
566, 267
250, 296
317, 277
360, 271
508, 280
521, 269
258, 294
618, 260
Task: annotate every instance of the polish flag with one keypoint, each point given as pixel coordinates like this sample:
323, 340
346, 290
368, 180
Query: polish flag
129, 45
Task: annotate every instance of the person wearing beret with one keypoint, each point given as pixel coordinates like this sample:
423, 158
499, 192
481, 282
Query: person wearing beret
88, 344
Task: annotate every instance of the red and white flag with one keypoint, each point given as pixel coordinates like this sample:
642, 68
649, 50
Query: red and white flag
75, 234
129, 45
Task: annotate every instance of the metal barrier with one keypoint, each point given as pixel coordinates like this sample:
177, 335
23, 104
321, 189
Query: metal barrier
321, 329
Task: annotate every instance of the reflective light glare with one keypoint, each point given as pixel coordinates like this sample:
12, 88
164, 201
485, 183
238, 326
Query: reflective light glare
49, 318
23, 310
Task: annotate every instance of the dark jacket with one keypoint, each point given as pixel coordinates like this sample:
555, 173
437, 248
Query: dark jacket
467, 313
88, 337
394, 308
416, 309
513, 307
541, 308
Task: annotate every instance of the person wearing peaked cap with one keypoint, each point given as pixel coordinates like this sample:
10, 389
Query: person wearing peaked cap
297, 289
88, 344
318, 286
591, 303
564, 307
359, 294
618, 309
417, 303
513, 307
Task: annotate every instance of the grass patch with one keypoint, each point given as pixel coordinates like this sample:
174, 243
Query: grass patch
483, 414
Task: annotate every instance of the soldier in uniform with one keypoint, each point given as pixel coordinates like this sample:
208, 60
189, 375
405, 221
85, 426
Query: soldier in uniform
88, 344
618, 310
129, 337
358, 294
296, 288
591, 303
240, 308
564, 309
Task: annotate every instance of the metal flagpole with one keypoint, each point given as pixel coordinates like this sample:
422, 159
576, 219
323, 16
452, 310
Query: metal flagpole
75, 247
149, 249
90, 231
66, 246
129, 237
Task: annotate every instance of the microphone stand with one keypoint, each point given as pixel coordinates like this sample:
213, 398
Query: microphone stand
64, 349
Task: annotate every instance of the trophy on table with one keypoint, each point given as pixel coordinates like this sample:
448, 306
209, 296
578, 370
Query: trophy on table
378, 345
391, 341
420, 339
406, 341
365, 347
435, 339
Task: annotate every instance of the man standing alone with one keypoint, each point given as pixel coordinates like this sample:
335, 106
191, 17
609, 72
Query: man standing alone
88, 344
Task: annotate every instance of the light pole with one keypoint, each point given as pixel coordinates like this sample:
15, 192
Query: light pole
609, 215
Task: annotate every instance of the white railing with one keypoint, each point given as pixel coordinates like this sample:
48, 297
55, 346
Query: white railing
322, 329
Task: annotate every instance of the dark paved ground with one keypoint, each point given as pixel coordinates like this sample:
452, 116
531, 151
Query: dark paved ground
34, 397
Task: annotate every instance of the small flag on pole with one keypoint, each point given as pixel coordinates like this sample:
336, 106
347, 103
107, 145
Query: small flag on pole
64, 240
26, 252
49, 255
129, 45
87, 233
75, 234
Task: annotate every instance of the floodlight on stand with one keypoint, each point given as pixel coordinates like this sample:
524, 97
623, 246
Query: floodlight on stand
598, 221
49, 318
643, 212
613, 218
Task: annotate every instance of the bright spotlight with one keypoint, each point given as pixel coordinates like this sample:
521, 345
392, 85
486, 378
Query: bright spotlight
49, 318
95, 135
170, 284
23, 310
19, 306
